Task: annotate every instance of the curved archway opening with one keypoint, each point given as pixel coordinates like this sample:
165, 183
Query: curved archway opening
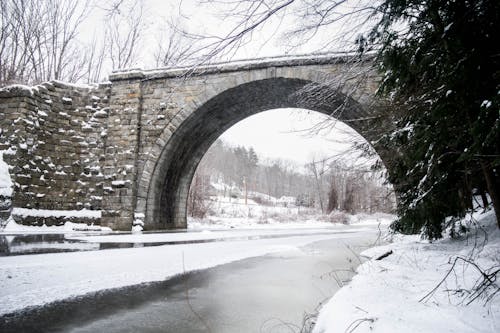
288, 168
166, 202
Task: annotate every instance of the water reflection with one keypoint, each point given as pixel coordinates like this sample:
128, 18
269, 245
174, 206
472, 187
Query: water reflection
12, 245
44, 243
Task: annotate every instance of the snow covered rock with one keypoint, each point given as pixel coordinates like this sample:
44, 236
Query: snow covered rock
138, 223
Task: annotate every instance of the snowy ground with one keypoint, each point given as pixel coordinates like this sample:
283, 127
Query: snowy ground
225, 212
396, 294
316, 220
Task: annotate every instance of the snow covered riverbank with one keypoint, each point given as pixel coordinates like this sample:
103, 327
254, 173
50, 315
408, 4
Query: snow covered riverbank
402, 292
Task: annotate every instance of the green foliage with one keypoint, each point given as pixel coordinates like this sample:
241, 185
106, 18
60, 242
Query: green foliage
440, 61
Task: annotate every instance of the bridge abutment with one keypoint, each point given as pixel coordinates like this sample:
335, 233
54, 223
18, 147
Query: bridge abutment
121, 156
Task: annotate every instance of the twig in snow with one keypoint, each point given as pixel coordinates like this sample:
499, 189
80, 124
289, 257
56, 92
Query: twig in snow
388, 253
357, 307
378, 236
309, 319
355, 324
281, 323
486, 282
355, 254
345, 275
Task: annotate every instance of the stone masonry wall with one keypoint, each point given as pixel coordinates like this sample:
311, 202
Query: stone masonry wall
54, 136
120, 163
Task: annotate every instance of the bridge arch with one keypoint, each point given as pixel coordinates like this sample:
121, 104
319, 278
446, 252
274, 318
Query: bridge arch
166, 178
128, 148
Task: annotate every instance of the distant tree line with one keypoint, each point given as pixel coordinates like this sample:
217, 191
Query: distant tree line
326, 185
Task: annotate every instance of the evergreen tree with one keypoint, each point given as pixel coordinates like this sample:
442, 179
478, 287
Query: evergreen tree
440, 61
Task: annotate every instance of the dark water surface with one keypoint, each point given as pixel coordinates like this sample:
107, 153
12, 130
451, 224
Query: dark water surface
272, 293
12, 245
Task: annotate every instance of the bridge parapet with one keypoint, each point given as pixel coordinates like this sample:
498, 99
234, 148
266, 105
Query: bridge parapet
240, 66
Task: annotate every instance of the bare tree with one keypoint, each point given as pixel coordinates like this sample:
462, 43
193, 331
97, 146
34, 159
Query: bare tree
198, 200
173, 47
124, 30
39, 40
19, 41
296, 21
95, 59
64, 20
318, 169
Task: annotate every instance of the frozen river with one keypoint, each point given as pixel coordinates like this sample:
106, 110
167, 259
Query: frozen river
264, 280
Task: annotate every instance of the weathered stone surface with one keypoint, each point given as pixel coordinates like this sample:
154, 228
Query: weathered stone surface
132, 145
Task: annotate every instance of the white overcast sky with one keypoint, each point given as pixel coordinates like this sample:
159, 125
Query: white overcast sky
213, 18
292, 134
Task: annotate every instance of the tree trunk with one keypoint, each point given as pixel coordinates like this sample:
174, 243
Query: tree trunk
493, 188
246, 190
332, 200
484, 198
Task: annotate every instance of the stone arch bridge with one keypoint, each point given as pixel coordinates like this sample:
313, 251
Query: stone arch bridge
126, 150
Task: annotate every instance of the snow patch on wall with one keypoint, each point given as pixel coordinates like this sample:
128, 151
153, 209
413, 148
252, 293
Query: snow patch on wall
5, 180
14, 228
93, 214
